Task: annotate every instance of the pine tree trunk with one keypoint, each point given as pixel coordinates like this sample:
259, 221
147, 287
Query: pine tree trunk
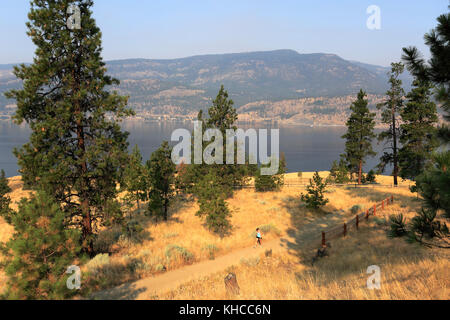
165, 209
359, 172
85, 210
395, 155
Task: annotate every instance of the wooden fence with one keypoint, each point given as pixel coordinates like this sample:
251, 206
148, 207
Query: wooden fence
353, 224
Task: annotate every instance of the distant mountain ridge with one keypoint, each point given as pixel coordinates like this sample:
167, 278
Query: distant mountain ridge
184, 85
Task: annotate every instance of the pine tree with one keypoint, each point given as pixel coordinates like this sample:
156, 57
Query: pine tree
433, 184
135, 178
5, 200
418, 131
76, 148
222, 116
212, 204
40, 251
339, 172
274, 182
437, 69
371, 178
314, 198
390, 110
161, 172
359, 134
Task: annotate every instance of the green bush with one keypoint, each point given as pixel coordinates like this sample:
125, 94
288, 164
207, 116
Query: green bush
314, 198
98, 262
133, 231
371, 178
356, 208
173, 250
36, 257
397, 225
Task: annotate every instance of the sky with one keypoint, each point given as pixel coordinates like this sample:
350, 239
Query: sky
165, 29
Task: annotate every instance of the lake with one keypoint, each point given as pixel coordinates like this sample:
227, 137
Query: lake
306, 148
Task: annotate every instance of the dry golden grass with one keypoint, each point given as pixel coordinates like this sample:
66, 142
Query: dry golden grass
289, 218
407, 272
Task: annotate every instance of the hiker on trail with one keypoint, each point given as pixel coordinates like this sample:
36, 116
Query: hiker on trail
258, 237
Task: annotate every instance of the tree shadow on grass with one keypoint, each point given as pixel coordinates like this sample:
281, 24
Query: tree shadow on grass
411, 202
368, 246
126, 291
307, 225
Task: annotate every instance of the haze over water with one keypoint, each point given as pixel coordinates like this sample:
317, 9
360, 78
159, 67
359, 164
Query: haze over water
305, 148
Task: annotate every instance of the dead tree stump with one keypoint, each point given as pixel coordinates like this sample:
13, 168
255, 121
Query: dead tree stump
321, 252
231, 284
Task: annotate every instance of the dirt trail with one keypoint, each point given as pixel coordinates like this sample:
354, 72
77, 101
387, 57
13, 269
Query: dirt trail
305, 237
148, 287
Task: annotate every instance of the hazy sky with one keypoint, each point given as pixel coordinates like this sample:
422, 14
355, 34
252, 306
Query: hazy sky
180, 28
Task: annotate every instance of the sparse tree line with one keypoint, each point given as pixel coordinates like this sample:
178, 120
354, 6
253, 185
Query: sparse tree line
414, 145
77, 155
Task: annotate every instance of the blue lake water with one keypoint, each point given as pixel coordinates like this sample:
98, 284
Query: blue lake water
305, 148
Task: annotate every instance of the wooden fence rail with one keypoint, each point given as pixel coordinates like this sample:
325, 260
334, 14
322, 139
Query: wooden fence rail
342, 230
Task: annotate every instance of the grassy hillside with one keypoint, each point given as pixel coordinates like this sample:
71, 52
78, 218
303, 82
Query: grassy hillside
288, 274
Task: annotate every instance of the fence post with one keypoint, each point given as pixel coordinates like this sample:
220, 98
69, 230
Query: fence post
345, 229
357, 222
367, 214
392, 199
374, 209
323, 239
382, 204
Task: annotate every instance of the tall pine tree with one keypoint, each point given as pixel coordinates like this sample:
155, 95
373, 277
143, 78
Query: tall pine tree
437, 68
390, 115
359, 134
222, 116
161, 171
76, 146
212, 204
418, 130
135, 178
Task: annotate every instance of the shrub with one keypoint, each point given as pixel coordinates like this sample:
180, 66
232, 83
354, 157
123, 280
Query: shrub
98, 262
135, 264
274, 182
339, 172
133, 231
173, 250
425, 226
371, 178
397, 225
315, 199
212, 249
356, 208
40, 250
160, 267
106, 239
